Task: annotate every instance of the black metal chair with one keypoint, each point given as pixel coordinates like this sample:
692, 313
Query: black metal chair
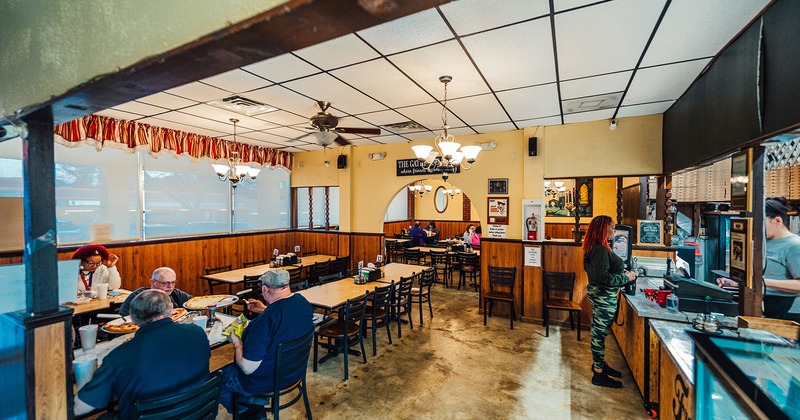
212, 283
250, 290
422, 294
254, 263
557, 286
199, 403
342, 265
394, 252
469, 267
377, 313
440, 261
400, 303
296, 280
343, 333
319, 269
413, 256
505, 278
292, 357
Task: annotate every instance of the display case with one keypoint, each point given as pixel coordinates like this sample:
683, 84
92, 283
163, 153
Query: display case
737, 378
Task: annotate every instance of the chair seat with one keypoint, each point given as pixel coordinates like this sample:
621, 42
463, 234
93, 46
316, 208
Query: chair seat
499, 295
415, 290
562, 304
372, 312
265, 399
469, 268
336, 329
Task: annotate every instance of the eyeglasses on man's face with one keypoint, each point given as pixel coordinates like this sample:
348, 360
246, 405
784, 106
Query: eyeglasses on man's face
166, 283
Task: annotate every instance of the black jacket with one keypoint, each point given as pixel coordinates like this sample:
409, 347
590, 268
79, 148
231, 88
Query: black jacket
604, 268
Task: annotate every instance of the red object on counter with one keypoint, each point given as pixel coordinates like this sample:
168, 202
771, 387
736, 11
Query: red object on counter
661, 297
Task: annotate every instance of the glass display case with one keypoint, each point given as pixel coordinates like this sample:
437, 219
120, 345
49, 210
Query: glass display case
737, 378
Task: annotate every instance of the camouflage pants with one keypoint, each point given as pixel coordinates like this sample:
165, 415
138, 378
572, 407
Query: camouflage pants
604, 307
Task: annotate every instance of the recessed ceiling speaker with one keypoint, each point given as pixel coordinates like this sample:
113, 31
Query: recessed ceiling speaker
532, 146
341, 162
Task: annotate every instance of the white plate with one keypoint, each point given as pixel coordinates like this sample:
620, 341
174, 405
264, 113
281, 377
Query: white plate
81, 301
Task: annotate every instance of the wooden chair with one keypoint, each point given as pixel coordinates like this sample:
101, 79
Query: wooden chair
377, 313
254, 263
345, 332
469, 266
555, 285
440, 261
413, 256
400, 303
214, 270
422, 294
291, 358
503, 277
199, 403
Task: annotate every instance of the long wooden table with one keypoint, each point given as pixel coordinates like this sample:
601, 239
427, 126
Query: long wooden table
233, 277
313, 259
428, 249
97, 305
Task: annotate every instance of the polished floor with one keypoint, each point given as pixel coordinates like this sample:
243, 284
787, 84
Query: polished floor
454, 367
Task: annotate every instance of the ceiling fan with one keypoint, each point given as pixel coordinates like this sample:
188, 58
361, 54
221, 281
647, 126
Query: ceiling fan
327, 130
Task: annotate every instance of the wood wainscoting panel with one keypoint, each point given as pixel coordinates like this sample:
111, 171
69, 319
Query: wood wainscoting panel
324, 242
630, 336
568, 258
503, 254
392, 228
533, 293
561, 230
365, 247
50, 373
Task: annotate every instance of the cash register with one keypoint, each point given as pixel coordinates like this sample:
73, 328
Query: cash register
699, 296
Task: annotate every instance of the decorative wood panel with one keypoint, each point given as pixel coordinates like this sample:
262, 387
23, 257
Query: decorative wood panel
532, 293
677, 394
447, 228
631, 340
569, 258
392, 228
50, 371
365, 247
503, 254
561, 230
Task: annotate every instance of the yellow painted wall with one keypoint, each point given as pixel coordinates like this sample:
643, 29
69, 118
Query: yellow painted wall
424, 209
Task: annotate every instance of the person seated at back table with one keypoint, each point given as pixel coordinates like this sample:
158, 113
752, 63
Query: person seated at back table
97, 266
418, 235
287, 317
475, 240
433, 233
163, 279
162, 359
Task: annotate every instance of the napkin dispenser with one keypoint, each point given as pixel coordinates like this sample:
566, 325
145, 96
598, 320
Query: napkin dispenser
458, 248
290, 258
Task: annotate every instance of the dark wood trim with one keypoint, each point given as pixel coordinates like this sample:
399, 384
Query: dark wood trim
750, 305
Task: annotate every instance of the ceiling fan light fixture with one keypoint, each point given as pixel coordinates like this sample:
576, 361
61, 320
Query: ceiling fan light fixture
324, 138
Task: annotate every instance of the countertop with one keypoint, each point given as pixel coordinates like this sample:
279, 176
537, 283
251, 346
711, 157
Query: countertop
678, 345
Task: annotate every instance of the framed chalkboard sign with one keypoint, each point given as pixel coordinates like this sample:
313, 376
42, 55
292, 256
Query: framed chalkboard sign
650, 232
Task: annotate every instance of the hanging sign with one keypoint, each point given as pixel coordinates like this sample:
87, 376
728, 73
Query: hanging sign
412, 167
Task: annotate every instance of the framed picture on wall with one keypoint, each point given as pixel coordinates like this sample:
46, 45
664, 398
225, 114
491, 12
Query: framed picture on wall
650, 232
740, 181
498, 186
740, 253
498, 210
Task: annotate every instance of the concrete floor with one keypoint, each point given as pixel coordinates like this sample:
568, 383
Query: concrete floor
454, 367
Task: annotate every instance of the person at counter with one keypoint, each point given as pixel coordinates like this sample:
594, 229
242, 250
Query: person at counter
418, 235
97, 266
782, 270
164, 279
606, 273
288, 317
162, 359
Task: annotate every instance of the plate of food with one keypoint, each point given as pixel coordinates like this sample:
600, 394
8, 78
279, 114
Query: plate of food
199, 303
125, 326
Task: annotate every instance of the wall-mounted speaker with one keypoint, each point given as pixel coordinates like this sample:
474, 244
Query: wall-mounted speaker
341, 162
532, 146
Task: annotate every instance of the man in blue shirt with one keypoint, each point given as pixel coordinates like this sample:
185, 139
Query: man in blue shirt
418, 235
288, 317
163, 359
163, 279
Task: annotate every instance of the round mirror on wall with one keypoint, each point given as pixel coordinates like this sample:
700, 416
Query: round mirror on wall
440, 200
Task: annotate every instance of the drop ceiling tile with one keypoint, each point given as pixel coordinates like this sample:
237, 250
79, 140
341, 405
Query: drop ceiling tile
260, 137
459, 131
237, 81
283, 118
200, 92
383, 117
165, 100
392, 139
462, 14
532, 102
597, 85
287, 132
529, 46
392, 87
140, 108
477, 110
223, 116
644, 109
119, 115
601, 114
425, 65
191, 120
285, 99
663, 82
282, 68
323, 87
604, 38
423, 28
562, 5
182, 127
695, 29
430, 116
422, 135
552, 120
494, 128
338, 52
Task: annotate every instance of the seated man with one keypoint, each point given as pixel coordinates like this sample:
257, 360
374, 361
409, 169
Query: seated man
418, 235
162, 359
287, 318
163, 279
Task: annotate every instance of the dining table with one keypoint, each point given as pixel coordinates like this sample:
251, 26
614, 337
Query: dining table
83, 307
234, 277
429, 249
313, 259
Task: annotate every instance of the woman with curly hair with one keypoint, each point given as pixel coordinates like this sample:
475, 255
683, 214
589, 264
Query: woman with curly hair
97, 266
606, 272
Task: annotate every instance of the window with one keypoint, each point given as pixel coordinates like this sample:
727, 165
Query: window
263, 204
312, 208
398, 208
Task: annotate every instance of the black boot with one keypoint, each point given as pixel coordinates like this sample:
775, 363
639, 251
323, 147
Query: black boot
601, 379
608, 370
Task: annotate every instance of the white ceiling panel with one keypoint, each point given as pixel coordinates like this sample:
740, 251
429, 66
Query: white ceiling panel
283, 118
458, 131
419, 29
265, 138
165, 100
119, 115
338, 52
323, 87
532, 102
158, 122
528, 45
562, 5
644, 109
383, 117
210, 112
663, 82
477, 110
695, 29
598, 85
422, 135
553, 120
601, 114
462, 14
385, 82
285, 99
200, 92
237, 81
494, 128
298, 149
140, 108
389, 139
282, 68
604, 38
192, 120
425, 65
287, 132
363, 142
430, 116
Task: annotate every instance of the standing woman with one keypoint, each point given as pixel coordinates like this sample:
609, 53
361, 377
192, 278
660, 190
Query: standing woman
606, 272
97, 266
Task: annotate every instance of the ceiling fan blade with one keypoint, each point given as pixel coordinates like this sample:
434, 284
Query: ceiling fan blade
300, 137
342, 141
356, 130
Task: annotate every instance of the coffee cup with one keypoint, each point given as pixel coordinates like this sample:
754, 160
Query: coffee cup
84, 369
88, 336
200, 321
102, 290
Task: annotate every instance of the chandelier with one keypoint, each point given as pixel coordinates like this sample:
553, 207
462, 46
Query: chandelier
420, 187
233, 170
452, 193
552, 189
448, 158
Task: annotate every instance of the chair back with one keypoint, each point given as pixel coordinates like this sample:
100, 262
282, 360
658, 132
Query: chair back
199, 403
380, 296
253, 283
468, 259
342, 265
296, 280
320, 269
502, 276
439, 258
413, 256
253, 263
214, 270
292, 358
560, 283
354, 310
404, 288
329, 278
426, 278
